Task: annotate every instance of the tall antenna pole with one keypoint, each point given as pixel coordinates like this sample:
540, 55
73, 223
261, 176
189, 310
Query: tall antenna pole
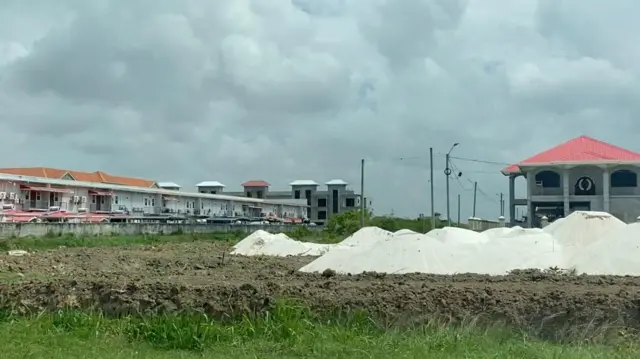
458, 210
475, 191
433, 211
362, 199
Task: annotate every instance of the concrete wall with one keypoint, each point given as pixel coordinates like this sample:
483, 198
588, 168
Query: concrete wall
626, 209
12, 230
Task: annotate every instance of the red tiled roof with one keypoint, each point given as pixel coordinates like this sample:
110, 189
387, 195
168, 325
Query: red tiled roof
256, 183
580, 149
97, 176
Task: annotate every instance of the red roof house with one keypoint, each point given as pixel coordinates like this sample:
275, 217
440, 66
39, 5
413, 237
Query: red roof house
256, 183
581, 149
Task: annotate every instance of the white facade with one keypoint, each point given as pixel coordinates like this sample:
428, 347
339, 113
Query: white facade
44, 194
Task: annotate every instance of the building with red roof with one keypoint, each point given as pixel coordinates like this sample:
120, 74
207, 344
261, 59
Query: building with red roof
581, 174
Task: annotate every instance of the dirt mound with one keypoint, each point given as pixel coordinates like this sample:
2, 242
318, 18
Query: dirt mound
201, 277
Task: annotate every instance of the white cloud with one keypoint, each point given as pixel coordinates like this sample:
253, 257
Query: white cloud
232, 90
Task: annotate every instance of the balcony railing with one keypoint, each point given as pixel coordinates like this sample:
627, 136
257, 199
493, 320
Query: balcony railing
99, 207
41, 205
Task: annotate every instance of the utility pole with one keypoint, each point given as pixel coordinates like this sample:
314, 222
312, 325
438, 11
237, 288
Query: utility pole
447, 172
458, 210
362, 199
475, 191
501, 204
433, 212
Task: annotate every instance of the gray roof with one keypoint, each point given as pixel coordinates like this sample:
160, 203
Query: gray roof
336, 182
210, 184
168, 185
303, 183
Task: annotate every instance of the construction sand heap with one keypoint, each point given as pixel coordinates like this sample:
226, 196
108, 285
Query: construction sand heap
583, 228
262, 243
617, 254
589, 242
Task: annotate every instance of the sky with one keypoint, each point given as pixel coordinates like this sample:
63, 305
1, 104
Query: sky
279, 90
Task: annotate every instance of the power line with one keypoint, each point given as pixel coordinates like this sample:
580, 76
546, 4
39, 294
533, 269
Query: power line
482, 161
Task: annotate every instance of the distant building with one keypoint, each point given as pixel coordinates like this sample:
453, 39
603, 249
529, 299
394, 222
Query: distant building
336, 199
580, 174
34, 193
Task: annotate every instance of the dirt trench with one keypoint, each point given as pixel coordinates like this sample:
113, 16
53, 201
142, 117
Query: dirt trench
202, 277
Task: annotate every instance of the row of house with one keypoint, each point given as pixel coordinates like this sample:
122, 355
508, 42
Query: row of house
53, 190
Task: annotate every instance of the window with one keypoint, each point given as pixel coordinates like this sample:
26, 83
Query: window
38, 196
115, 199
259, 194
549, 179
249, 194
307, 193
335, 201
296, 194
214, 192
146, 201
624, 178
203, 191
322, 214
350, 202
153, 202
322, 202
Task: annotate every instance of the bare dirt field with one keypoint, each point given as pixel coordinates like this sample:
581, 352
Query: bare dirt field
200, 276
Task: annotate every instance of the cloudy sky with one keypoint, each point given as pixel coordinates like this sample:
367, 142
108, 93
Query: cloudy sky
232, 90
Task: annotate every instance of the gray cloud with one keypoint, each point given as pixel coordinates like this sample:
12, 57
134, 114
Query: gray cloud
232, 90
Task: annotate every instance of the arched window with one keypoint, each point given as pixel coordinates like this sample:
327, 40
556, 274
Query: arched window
549, 179
624, 178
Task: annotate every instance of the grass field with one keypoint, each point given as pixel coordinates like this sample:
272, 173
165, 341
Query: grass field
287, 332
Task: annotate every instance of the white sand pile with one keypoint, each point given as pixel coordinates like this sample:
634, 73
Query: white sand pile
351, 246
262, 243
514, 232
582, 228
497, 232
617, 254
502, 255
396, 255
367, 236
455, 235
404, 232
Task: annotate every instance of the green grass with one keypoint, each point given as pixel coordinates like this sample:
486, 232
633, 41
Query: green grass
43, 243
51, 242
286, 332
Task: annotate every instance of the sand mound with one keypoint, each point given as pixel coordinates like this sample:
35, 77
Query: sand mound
617, 254
396, 255
582, 228
261, 243
367, 236
501, 255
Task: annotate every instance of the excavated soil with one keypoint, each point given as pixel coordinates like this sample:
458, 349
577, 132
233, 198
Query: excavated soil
201, 276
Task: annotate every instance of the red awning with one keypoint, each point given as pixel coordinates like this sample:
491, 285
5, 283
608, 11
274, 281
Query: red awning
45, 189
100, 193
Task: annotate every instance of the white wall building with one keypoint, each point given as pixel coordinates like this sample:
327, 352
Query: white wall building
39, 194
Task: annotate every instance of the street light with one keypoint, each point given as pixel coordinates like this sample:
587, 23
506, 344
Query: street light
447, 172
